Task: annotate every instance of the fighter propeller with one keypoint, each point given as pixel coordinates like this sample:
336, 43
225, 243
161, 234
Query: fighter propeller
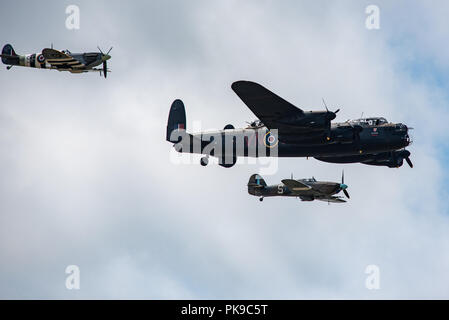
343, 186
105, 58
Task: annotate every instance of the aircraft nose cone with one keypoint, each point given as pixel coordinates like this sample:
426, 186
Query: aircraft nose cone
106, 57
406, 153
343, 186
401, 127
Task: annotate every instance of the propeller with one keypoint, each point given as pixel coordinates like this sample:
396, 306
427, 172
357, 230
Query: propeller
331, 114
101, 51
105, 57
409, 162
105, 68
329, 117
406, 155
343, 186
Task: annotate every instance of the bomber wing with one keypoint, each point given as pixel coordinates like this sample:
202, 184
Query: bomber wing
292, 123
266, 105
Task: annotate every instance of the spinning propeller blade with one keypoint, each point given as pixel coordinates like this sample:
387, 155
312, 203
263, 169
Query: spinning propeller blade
343, 186
325, 105
409, 162
105, 68
329, 117
105, 57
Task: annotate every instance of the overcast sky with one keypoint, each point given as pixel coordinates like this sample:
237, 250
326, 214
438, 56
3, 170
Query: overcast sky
87, 178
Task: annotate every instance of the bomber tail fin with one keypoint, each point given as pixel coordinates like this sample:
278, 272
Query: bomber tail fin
9, 56
176, 121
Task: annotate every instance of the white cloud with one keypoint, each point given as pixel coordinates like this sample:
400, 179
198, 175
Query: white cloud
88, 181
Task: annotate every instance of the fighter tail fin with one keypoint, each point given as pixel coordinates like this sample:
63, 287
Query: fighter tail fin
176, 121
9, 56
256, 181
255, 184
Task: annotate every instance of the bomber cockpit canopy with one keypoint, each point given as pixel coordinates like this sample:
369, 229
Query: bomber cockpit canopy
66, 51
310, 179
376, 121
255, 124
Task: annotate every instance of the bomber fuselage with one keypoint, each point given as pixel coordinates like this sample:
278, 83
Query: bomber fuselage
257, 142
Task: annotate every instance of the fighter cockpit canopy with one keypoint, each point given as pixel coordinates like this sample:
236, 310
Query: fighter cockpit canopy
370, 121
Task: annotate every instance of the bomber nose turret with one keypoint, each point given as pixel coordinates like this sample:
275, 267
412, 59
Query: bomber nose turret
408, 139
401, 127
402, 130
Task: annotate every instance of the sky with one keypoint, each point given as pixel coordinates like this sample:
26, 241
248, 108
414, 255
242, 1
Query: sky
89, 180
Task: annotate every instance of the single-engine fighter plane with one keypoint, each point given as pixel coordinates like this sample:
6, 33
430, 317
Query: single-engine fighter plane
63, 60
283, 130
305, 189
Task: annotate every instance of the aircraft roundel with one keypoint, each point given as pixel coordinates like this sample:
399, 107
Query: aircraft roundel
270, 140
40, 58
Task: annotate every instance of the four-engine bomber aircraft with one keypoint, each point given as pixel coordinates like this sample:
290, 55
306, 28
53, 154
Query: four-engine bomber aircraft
305, 189
284, 130
64, 60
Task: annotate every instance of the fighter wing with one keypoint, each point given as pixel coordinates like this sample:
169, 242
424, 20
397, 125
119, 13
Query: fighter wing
266, 105
61, 60
334, 199
295, 185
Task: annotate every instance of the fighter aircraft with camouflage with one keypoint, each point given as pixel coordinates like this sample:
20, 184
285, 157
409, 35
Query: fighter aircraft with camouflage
283, 130
304, 189
63, 60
